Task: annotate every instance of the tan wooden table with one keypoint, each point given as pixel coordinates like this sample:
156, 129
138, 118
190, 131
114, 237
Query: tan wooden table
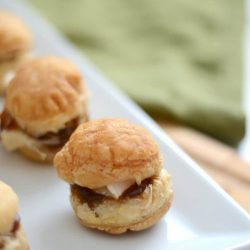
219, 160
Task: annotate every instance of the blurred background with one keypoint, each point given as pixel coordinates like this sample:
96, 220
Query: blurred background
182, 61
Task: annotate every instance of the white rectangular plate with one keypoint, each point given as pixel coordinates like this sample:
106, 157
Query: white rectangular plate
202, 216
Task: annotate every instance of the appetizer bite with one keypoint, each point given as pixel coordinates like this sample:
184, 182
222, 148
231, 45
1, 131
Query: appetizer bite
15, 46
116, 176
45, 102
11, 233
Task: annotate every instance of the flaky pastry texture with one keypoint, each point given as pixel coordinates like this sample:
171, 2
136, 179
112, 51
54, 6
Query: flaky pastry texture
135, 214
46, 93
109, 150
15, 37
8, 69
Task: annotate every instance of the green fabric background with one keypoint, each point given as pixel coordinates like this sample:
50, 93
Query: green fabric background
178, 59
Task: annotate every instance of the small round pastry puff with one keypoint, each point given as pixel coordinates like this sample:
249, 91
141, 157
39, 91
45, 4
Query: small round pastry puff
15, 44
11, 232
104, 155
45, 102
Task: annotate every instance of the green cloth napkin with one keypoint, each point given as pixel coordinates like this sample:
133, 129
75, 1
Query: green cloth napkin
178, 59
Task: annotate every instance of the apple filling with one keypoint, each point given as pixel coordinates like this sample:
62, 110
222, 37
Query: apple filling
14, 137
117, 191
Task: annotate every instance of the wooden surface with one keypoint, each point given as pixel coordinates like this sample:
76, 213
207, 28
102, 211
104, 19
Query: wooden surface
219, 160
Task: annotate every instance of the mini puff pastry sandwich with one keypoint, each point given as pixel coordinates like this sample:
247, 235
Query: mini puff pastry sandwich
116, 175
15, 46
11, 233
45, 102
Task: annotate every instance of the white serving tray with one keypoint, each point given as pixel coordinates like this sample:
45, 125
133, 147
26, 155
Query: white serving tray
202, 216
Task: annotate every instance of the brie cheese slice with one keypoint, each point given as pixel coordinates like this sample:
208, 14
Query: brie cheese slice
117, 188
14, 139
8, 77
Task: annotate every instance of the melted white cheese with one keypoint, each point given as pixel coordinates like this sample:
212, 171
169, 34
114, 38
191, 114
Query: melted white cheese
117, 188
14, 139
8, 77
11, 243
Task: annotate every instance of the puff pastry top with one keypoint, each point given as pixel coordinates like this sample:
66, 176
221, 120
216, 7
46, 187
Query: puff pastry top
44, 94
105, 151
15, 37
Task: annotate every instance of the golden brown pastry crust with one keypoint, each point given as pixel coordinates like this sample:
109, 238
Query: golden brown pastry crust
8, 213
138, 226
15, 37
46, 93
8, 207
8, 69
135, 214
104, 151
39, 155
